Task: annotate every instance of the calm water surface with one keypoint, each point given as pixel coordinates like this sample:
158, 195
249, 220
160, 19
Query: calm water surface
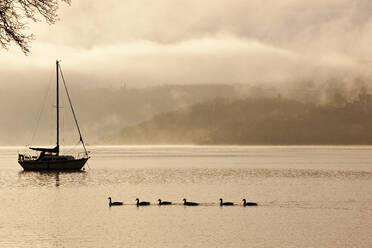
308, 197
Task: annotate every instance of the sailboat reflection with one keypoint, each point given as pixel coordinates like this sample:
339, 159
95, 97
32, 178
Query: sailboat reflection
52, 178
57, 179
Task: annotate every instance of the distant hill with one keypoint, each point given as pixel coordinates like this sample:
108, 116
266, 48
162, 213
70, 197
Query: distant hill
198, 114
255, 121
28, 114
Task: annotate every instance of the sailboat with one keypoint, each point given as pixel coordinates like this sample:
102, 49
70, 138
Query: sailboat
50, 159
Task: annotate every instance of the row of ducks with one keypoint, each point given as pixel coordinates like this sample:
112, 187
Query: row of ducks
185, 202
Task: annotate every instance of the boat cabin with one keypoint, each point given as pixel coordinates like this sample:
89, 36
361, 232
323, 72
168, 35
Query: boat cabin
45, 156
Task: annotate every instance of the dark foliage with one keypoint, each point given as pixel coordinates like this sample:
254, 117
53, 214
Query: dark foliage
14, 15
268, 121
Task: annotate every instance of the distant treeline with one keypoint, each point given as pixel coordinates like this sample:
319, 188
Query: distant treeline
274, 121
100, 111
197, 114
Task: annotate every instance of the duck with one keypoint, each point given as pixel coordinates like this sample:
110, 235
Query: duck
114, 203
142, 203
186, 203
245, 203
226, 203
164, 202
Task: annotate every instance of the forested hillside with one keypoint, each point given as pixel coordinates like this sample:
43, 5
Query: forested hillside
256, 121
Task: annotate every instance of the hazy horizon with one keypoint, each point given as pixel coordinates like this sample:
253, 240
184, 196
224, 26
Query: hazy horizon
187, 114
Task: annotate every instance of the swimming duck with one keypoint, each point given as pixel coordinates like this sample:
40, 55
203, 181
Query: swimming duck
226, 203
245, 203
114, 203
164, 202
186, 203
142, 203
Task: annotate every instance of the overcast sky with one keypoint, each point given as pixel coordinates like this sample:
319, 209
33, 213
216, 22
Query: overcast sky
146, 42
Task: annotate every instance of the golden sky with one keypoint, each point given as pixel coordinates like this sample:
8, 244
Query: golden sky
145, 42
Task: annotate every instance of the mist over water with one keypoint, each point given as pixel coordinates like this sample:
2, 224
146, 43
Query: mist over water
189, 114
313, 196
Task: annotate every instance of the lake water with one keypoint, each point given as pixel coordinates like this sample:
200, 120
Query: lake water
313, 196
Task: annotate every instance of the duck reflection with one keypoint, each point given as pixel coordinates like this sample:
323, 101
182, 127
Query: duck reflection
51, 178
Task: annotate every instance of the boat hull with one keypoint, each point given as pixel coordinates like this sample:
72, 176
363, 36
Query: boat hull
68, 165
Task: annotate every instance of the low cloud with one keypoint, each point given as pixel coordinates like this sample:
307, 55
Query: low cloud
188, 42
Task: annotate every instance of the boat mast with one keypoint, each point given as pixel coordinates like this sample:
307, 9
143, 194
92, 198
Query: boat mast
57, 68
73, 113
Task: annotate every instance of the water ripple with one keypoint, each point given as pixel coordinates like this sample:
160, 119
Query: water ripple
10, 178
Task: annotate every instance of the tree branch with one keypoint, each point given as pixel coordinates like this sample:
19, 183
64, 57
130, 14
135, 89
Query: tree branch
14, 15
